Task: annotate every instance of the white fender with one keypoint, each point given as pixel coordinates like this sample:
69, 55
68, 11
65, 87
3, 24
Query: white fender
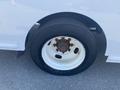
18, 16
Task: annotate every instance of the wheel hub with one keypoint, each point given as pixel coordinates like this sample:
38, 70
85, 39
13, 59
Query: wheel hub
63, 45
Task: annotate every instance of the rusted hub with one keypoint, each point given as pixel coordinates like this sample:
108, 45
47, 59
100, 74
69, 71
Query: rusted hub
63, 45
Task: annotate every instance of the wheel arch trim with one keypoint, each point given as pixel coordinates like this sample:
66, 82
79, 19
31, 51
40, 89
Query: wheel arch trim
85, 19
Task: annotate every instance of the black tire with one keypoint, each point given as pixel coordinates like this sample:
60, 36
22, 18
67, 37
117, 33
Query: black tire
63, 27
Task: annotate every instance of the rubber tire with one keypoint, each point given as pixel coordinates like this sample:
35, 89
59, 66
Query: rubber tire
63, 27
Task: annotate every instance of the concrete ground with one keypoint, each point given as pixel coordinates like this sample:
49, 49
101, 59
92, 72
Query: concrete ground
22, 74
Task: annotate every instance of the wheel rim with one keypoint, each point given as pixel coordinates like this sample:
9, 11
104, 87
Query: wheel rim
63, 53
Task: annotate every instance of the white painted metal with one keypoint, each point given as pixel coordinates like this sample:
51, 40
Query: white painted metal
18, 16
69, 59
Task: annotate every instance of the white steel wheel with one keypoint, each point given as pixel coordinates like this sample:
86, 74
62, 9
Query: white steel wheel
63, 53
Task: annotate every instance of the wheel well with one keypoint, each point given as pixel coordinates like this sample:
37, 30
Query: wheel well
82, 18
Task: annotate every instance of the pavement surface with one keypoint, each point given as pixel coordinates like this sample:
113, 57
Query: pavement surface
22, 74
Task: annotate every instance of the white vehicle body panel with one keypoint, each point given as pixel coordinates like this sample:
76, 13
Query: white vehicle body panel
18, 16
